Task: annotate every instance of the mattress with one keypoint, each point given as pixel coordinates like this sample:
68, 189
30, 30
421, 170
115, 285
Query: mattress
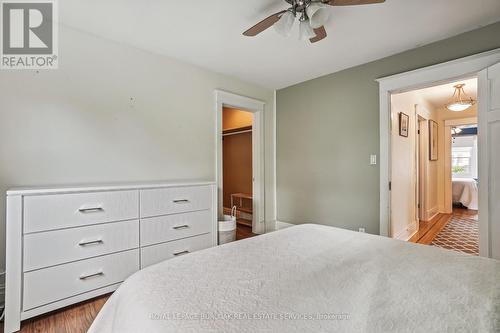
310, 278
465, 191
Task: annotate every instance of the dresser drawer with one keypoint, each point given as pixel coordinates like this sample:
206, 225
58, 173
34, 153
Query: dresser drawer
157, 253
161, 229
156, 202
59, 282
48, 212
60, 246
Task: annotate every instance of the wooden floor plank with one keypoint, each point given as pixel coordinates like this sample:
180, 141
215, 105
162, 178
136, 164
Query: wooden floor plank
244, 231
73, 319
466, 213
424, 228
436, 228
428, 230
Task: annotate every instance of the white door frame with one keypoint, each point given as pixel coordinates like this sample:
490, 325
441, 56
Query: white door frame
421, 170
257, 107
425, 77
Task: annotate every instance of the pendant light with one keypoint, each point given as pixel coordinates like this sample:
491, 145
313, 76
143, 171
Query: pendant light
460, 101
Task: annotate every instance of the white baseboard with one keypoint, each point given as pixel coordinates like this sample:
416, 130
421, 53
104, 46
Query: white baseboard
430, 217
283, 225
2, 290
270, 226
408, 233
432, 213
400, 235
411, 235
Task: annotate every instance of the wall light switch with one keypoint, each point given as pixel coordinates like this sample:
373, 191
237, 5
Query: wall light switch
373, 159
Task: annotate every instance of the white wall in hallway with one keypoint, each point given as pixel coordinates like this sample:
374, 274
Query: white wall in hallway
404, 221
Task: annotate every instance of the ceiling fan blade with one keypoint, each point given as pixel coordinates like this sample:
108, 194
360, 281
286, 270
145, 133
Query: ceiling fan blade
352, 2
320, 35
264, 24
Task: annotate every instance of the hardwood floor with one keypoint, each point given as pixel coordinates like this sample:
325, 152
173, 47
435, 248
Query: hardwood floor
467, 213
428, 230
244, 231
73, 319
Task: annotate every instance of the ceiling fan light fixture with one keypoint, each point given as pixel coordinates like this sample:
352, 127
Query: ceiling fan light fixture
312, 14
318, 14
285, 24
305, 30
459, 101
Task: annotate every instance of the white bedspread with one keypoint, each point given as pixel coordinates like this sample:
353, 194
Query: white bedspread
465, 191
363, 283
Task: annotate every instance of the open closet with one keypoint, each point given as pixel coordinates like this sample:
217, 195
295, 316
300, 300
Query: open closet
237, 182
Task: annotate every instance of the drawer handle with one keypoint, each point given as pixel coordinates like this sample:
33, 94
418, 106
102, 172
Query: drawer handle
85, 243
91, 210
181, 227
181, 253
183, 201
85, 277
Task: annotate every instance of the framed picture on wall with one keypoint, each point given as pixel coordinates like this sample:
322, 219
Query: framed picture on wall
404, 123
433, 140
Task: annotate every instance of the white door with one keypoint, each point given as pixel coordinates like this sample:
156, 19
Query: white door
489, 156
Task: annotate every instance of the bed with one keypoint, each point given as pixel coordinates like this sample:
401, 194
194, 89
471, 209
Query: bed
465, 192
310, 278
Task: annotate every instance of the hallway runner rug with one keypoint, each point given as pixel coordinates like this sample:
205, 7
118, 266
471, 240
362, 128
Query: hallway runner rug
460, 234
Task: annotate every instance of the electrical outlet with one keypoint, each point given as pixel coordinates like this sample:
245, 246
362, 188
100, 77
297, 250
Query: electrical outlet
362, 230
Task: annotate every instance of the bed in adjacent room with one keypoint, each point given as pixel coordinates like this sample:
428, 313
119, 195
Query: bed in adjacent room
310, 278
465, 191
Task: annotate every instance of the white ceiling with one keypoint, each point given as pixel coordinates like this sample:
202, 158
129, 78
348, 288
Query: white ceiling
439, 96
208, 33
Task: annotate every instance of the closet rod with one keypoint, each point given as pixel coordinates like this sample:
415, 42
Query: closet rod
234, 133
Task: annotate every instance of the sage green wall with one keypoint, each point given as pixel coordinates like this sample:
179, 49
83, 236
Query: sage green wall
328, 127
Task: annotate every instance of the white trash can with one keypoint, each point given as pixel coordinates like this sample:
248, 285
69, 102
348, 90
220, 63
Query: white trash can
227, 228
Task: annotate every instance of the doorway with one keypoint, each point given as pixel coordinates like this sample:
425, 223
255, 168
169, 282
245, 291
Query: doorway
237, 173
434, 195
486, 67
248, 199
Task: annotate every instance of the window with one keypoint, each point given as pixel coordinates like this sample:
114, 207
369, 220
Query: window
461, 161
464, 157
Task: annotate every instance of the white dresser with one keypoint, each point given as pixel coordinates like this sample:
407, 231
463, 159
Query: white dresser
66, 245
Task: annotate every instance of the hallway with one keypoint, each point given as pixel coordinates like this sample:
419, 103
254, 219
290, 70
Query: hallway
458, 231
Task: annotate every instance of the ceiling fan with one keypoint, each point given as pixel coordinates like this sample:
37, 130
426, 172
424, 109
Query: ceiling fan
312, 14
